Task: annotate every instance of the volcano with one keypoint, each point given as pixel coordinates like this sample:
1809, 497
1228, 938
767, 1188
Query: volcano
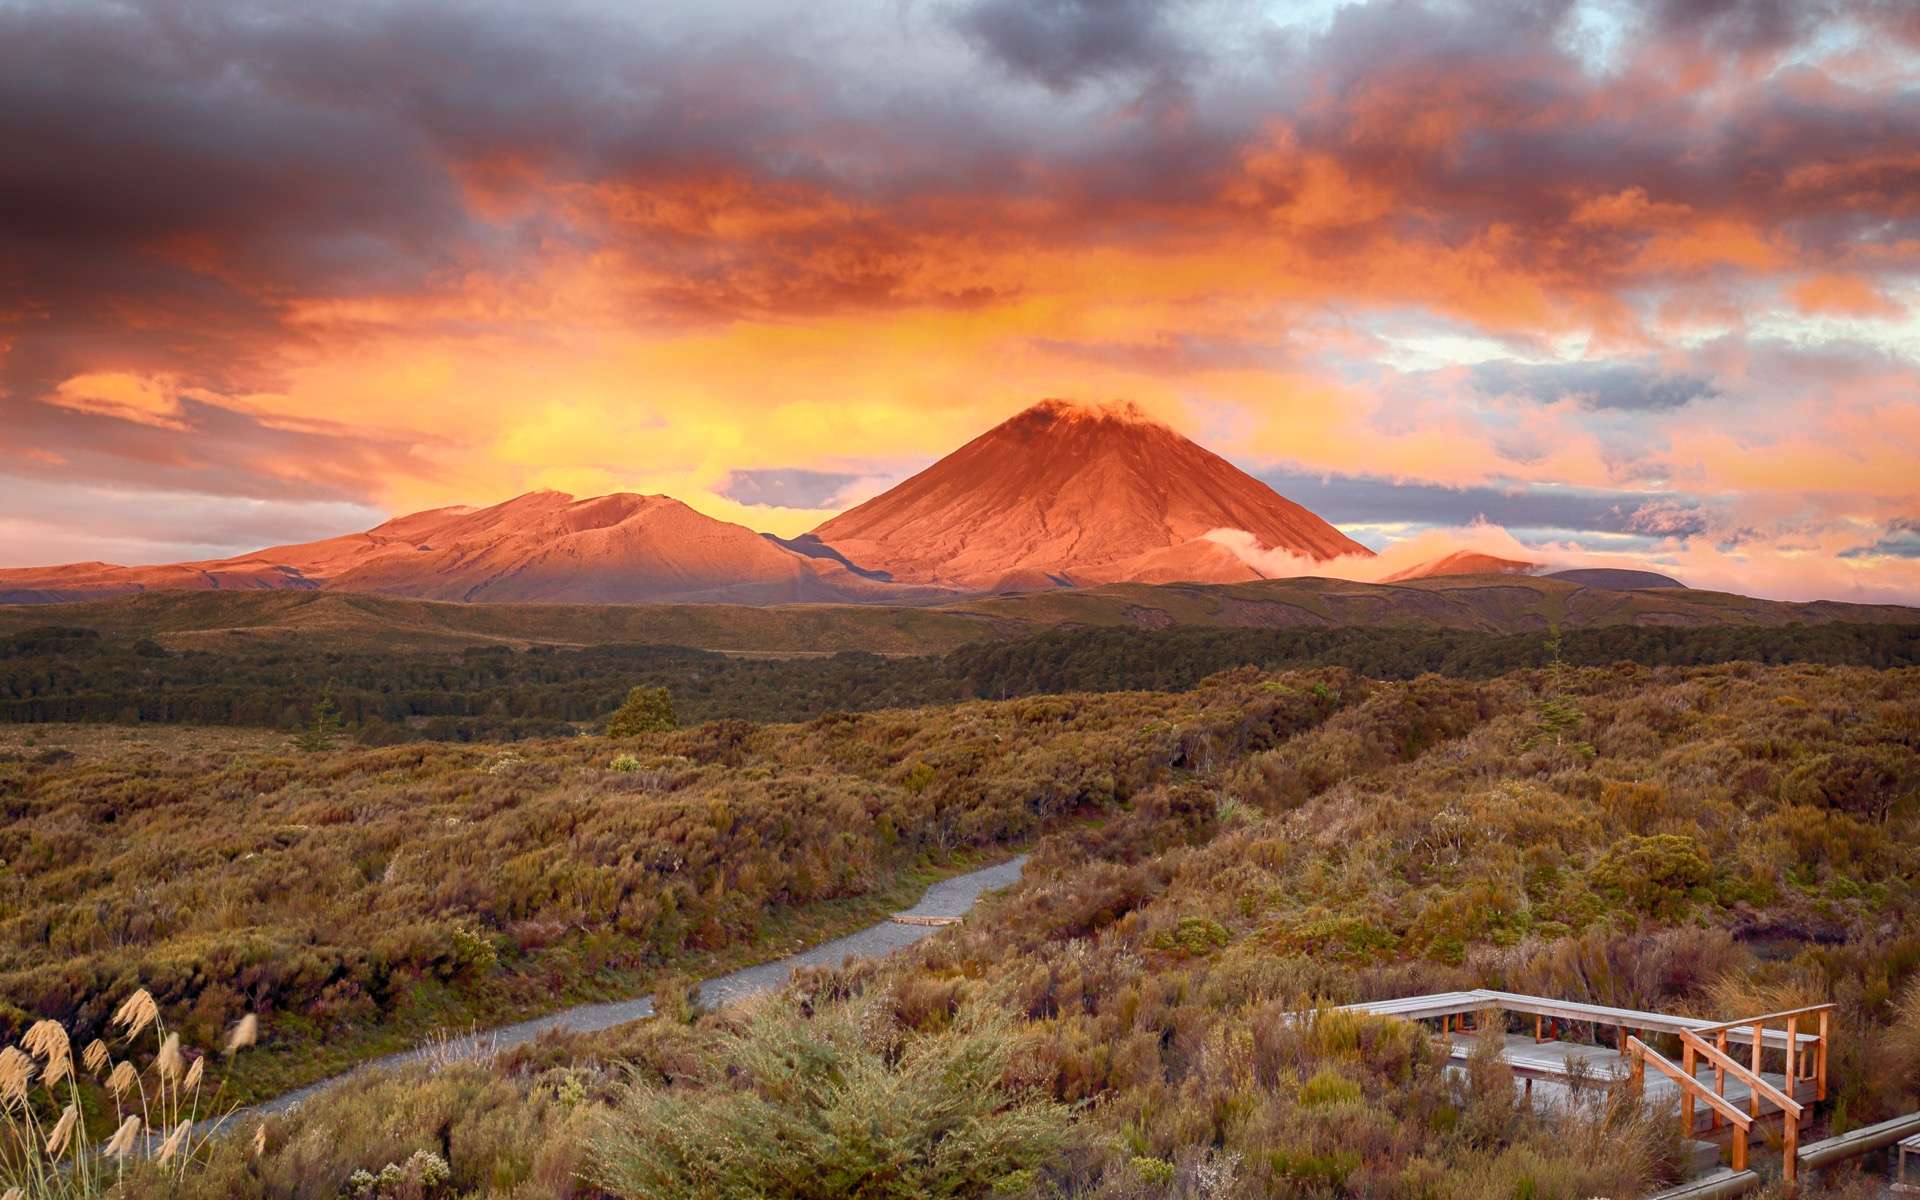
543, 546
1062, 495
1067, 494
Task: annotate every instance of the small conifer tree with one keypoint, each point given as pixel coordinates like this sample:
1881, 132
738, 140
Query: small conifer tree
647, 710
322, 728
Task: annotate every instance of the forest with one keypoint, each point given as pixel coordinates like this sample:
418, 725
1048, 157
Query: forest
1717, 839
491, 693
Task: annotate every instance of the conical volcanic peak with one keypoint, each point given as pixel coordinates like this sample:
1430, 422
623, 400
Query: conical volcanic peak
1075, 493
543, 546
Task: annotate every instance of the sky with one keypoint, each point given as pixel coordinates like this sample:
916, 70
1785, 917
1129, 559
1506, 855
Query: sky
1630, 283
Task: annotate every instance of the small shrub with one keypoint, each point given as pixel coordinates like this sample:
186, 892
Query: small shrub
1327, 1087
839, 1103
424, 1176
1193, 935
472, 953
1656, 875
919, 778
647, 710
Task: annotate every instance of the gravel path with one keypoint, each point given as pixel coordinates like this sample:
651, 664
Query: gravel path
948, 898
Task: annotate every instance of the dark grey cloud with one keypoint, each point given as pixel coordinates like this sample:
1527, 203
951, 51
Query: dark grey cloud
1625, 386
208, 159
1739, 27
787, 487
1370, 500
1901, 539
1062, 44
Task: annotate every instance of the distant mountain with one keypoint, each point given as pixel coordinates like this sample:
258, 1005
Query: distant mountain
1069, 494
1616, 578
1062, 495
1463, 562
543, 546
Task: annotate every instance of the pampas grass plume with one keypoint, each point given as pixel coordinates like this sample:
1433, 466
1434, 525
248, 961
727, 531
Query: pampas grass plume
136, 1013
245, 1034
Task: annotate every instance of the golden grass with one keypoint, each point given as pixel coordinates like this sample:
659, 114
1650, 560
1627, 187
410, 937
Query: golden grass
44, 1156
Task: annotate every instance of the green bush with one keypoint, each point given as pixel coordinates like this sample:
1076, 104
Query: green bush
842, 1103
1193, 935
647, 710
1328, 1086
1656, 875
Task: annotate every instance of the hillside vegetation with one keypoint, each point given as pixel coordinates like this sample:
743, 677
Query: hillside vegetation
1483, 603
61, 673
1720, 840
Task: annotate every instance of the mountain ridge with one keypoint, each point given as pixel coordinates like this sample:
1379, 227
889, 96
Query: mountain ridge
623, 547
1063, 494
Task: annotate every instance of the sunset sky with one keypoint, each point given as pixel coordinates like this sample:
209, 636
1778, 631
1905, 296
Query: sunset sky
1616, 282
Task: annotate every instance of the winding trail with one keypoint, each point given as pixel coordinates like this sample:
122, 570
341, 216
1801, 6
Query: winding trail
950, 898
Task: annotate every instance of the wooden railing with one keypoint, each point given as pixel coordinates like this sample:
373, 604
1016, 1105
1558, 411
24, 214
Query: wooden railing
1801, 1063
1802, 1045
1758, 1089
1690, 1090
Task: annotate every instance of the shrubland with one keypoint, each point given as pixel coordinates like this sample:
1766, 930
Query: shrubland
352, 893
1125, 1023
60, 673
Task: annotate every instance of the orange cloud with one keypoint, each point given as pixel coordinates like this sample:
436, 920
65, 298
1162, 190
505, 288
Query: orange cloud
1847, 295
147, 400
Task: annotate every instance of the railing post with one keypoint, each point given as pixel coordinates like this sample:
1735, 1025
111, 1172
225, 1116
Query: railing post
1789, 1146
1719, 1075
1686, 1093
1739, 1149
1820, 1060
1537, 1039
1759, 1041
1637, 1072
1791, 1075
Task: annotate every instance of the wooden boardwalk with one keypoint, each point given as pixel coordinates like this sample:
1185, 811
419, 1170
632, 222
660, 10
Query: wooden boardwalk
1731, 1075
1568, 1064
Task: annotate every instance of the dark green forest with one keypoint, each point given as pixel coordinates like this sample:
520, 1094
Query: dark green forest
58, 673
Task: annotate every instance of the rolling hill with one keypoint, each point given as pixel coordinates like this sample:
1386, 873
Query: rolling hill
1495, 604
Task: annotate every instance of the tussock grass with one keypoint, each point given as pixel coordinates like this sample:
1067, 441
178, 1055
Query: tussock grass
161, 1117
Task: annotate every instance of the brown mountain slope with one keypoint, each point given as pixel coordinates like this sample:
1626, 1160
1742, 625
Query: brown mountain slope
1066, 494
544, 546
